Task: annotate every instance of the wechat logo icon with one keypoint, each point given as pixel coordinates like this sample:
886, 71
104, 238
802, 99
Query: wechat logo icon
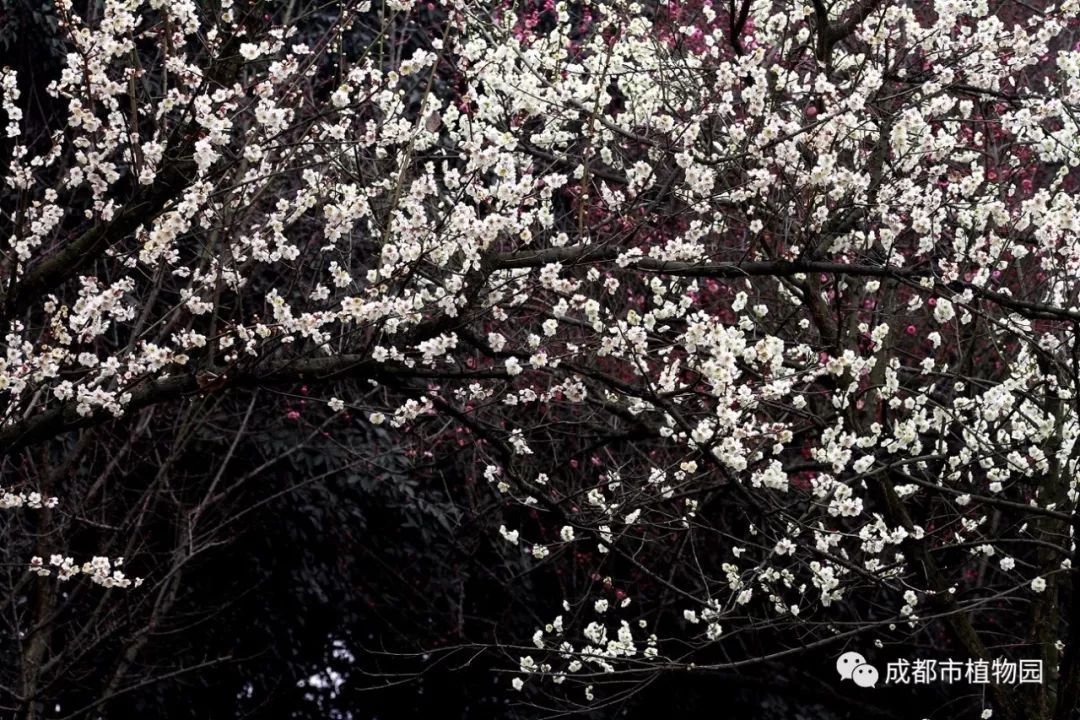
853, 666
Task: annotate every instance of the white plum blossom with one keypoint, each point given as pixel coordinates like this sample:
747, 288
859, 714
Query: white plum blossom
943, 310
511, 536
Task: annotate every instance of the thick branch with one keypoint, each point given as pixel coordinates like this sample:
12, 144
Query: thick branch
174, 177
575, 254
156, 391
841, 31
86, 248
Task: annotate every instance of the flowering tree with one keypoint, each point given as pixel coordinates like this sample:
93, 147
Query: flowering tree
752, 326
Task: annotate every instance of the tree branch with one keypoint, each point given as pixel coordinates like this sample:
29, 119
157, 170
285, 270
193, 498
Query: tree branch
154, 391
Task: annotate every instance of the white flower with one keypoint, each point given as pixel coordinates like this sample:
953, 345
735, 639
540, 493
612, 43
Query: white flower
567, 533
1038, 584
336, 404
511, 536
1007, 563
518, 683
600, 606
540, 552
250, 51
863, 464
518, 442
376, 418
340, 97
596, 633
944, 311
513, 367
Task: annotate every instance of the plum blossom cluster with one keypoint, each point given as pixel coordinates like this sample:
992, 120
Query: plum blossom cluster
594, 654
99, 569
34, 500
